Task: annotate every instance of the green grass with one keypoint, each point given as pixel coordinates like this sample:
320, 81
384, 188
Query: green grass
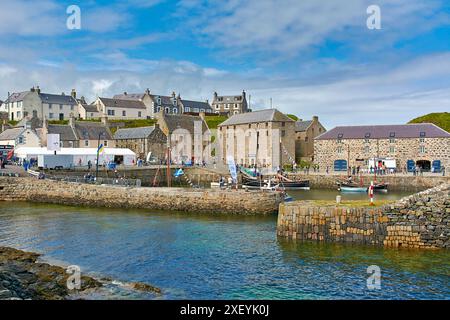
131, 123
214, 121
440, 119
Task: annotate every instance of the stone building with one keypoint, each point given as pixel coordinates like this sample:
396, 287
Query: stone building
144, 98
42, 105
265, 138
19, 137
123, 109
230, 105
305, 132
79, 134
189, 136
424, 145
142, 141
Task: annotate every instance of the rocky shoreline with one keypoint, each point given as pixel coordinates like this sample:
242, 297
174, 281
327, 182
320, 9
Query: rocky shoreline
23, 277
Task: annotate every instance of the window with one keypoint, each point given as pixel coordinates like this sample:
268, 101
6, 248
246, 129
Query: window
422, 149
124, 113
20, 140
50, 106
18, 114
50, 115
340, 135
60, 107
139, 114
422, 134
111, 112
283, 124
339, 150
217, 106
366, 149
392, 140
391, 149
92, 114
175, 110
306, 139
187, 109
392, 135
105, 143
86, 143
283, 133
339, 140
227, 106
367, 140
422, 140
367, 135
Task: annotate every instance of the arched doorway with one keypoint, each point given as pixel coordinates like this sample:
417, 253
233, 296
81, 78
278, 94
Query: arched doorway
425, 165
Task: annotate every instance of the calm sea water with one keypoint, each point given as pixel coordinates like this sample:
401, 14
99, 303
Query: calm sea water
216, 257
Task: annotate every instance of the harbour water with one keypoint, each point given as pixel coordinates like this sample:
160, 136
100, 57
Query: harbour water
192, 256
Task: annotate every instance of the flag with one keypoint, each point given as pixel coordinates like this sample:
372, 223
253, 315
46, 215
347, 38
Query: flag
178, 173
100, 149
10, 154
232, 167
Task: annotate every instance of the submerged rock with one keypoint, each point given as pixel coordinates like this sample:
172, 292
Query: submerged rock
145, 287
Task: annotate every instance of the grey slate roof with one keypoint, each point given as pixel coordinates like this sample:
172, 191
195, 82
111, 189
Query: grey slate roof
90, 107
57, 99
34, 121
130, 96
17, 96
301, 126
11, 134
121, 103
196, 104
65, 132
86, 130
385, 132
183, 121
268, 115
134, 133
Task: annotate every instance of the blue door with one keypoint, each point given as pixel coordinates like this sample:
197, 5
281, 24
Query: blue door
437, 165
340, 165
411, 165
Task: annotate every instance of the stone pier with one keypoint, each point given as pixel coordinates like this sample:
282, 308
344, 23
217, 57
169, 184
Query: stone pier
421, 220
161, 199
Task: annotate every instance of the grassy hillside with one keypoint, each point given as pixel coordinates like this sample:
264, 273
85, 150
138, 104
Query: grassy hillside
440, 119
214, 121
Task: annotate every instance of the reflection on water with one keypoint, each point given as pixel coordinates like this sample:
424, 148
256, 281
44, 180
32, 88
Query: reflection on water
217, 257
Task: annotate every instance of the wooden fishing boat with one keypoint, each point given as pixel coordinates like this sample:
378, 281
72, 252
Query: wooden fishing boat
380, 187
350, 187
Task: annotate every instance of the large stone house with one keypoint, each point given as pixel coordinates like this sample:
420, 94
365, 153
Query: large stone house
142, 141
123, 109
424, 145
79, 134
305, 132
189, 137
41, 105
265, 138
230, 105
19, 137
145, 98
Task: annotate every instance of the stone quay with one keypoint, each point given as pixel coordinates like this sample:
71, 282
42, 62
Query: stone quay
421, 220
159, 199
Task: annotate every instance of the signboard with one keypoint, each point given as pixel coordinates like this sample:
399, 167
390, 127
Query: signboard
53, 142
232, 167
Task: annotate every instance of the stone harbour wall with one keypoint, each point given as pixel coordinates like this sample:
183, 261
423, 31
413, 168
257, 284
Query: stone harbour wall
396, 182
161, 199
421, 220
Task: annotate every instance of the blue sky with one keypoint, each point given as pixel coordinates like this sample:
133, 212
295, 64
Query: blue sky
312, 57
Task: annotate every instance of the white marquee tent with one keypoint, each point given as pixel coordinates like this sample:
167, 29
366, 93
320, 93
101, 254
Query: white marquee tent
81, 156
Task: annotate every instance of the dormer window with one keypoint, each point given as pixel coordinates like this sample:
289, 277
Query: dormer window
392, 135
422, 134
340, 135
367, 135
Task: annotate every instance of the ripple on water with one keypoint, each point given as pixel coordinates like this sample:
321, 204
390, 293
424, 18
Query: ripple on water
216, 257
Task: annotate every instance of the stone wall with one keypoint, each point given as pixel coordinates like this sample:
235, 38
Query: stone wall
327, 151
164, 199
421, 220
396, 182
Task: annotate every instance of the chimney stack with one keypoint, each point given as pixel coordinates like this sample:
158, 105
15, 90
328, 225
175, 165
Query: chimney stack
73, 94
315, 119
38, 90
